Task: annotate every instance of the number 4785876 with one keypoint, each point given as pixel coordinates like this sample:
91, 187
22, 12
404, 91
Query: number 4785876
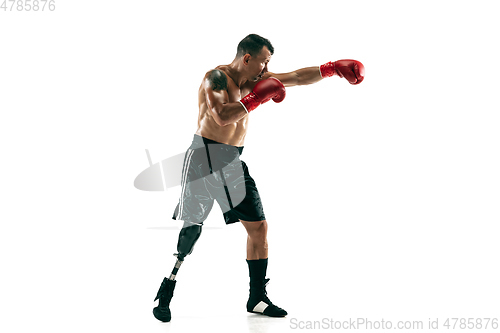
28, 5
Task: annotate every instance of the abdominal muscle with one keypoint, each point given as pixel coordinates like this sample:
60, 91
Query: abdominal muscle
232, 134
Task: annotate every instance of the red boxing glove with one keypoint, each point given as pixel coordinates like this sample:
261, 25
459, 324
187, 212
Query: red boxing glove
352, 70
262, 92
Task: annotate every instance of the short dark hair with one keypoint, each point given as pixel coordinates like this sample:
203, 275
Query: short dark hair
253, 44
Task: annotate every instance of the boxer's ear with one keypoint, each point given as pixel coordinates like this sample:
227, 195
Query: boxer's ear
246, 58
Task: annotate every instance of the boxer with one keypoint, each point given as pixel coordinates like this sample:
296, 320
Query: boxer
213, 170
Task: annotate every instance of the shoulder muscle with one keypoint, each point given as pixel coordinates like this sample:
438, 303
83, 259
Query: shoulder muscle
217, 80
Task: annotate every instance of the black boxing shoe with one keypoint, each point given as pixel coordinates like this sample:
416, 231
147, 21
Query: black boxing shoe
165, 293
258, 302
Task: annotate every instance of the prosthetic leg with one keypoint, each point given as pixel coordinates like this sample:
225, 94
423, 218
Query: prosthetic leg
187, 238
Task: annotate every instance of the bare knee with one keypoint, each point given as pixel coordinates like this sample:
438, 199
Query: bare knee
261, 229
257, 231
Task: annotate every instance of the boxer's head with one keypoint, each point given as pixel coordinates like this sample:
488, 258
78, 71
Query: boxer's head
253, 44
255, 52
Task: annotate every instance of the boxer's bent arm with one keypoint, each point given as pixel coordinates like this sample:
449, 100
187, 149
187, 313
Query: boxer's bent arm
224, 113
299, 77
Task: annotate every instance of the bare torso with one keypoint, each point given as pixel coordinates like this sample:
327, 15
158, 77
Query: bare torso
232, 134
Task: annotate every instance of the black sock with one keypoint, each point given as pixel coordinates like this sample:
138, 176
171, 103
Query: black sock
257, 270
258, 302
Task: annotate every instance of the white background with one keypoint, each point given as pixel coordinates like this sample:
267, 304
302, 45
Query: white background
382, 198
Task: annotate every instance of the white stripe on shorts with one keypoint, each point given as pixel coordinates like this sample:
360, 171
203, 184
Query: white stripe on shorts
185, 168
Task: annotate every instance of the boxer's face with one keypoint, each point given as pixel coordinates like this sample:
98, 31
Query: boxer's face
258, 64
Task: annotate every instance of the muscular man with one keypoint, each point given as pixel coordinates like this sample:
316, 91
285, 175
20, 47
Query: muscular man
213, 170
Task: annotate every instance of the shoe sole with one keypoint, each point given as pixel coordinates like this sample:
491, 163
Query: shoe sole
261, 313
162, 315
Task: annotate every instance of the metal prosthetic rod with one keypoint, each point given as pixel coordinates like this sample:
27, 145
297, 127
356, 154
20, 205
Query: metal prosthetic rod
187, 238
178, 264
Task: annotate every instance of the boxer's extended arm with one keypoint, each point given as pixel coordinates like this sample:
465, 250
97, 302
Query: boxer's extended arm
353, 71
299, 77
223, 112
